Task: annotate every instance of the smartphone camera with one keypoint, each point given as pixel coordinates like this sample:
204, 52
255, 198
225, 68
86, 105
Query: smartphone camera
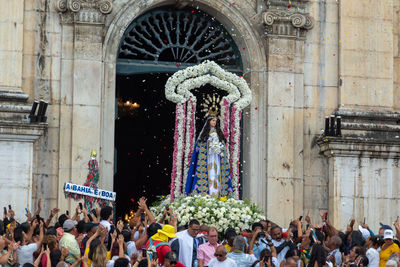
266, 258
261, 235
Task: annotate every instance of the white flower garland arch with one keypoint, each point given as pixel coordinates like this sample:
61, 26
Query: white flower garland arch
178, 90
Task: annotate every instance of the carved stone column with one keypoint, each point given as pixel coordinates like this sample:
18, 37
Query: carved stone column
81, 86
285, 30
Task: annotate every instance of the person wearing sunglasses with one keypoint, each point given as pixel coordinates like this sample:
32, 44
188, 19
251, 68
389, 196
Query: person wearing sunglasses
220, 259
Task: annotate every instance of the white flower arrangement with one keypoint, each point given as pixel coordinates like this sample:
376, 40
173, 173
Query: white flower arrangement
190, 135
176, 179
220, 213
178, 86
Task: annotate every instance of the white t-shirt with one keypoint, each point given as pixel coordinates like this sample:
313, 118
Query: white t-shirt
282, 254
25, 253
373, 257
131, 248
226, 263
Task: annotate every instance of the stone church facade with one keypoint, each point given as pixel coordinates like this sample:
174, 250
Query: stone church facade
303, 60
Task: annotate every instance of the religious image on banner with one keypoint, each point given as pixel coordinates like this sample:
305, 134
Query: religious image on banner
209, 171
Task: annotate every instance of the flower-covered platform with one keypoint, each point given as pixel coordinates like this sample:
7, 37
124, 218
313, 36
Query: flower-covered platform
218, 212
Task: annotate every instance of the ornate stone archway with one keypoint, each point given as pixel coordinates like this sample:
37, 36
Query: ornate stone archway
254, 65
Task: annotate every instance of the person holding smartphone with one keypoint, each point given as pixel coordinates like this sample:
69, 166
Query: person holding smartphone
258, 241
267, 259
25, 251
282, 245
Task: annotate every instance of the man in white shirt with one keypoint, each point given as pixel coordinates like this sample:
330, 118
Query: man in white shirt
221, 260
282, 247
186, 245
25, 251
238, 254
130, 244
106, 215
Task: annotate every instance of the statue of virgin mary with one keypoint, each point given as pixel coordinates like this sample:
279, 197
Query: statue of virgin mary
209, 168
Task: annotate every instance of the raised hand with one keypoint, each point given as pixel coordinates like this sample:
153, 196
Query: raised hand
120, 225
28, 216
103, 231
322, 217
84, 210
13, 246
79, 239
134, 258
174, 219
121, 240
308, 219
11, 213
54, 211
114, 236
396, 223
153, 263
35, 223
40, 204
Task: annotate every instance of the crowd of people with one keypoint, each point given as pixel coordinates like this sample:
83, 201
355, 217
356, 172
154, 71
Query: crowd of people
91, 239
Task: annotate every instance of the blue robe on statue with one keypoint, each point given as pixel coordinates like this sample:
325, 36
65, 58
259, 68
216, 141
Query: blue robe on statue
198, 178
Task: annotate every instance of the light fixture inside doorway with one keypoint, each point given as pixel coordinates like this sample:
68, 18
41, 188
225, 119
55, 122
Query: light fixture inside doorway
127, 108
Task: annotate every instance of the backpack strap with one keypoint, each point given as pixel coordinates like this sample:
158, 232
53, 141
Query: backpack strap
160, 244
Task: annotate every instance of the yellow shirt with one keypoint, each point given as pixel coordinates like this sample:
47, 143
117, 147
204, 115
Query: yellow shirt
385, 254
89, 262
228, 248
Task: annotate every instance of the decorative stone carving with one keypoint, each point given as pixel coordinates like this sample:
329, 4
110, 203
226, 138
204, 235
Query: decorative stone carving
286, 21
83, 11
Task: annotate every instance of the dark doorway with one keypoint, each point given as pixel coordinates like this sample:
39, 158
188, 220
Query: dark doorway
144, 130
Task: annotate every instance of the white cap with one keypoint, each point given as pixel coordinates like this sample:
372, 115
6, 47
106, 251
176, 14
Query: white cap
365, 233
388, 234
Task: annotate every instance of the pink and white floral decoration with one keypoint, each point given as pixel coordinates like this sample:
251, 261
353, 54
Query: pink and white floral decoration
177, 90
